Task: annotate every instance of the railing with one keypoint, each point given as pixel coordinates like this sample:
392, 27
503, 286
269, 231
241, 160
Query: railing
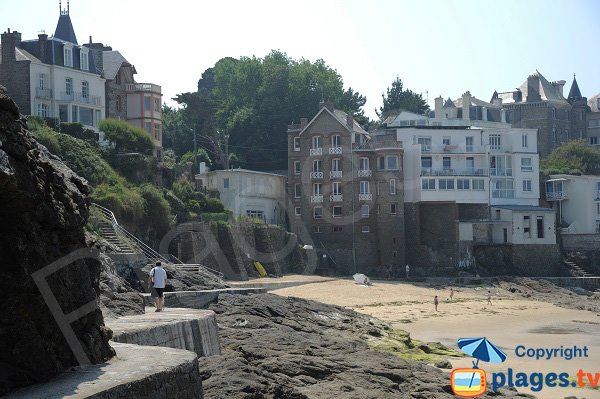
316, 198
500, 148
316, 151
365, 173
454, 172
335, 150
43, 93
425, 147
503, 193
80, 98
335, 174
556, 196
336, 198
365, 197
500, 172
142, 87
316, 175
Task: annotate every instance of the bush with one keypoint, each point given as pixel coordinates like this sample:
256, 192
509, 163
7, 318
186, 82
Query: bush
77, 130
48, 138
125, 203
169, 159
213, 205
187, 159
125, 137
157, 211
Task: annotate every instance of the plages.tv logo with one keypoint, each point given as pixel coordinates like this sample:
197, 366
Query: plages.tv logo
471, 382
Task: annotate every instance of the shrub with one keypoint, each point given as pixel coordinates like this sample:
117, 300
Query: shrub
125, 137
187, 159
125, 203
77, 130
213, 205
157, 211
48, 138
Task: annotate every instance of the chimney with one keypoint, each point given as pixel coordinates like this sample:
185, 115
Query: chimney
466, 105
327, 104
350, 121
10, 41
439, 103
42, 46
559, 86
533, 88
303, 122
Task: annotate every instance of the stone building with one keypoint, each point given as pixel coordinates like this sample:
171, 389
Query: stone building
53, 77
346, 193
540, 104
593, 121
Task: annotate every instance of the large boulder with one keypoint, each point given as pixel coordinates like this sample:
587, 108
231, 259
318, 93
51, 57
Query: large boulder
43, 211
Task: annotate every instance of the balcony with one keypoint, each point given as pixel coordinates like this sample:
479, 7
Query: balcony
336, 198
556, 196
365, 173
501, 172
503, 193
335, 150
316, 151
316, 175
316, 198
149, 87
365, 197
79, 97
500, 148
43, 93
454, 172
335, 174
452, 149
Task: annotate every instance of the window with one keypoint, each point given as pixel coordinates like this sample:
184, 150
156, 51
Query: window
297, 190
502, 188
336, 188
446, 184
297, 211
337, 229
336, 141
524, 141
392, 186
501, 165
364, 163
337, 211
296, 143
157, 131
316, 142
446, 163
426, 162
381, 163
526, 165
317, 229
317, 163
317, 189
425, 143
540, 227
318, 212
463, 184
336, 165
69, 86
68, 56
43, 83
255, 214
85, 89
428, 184
148, 126
83, 60
226, 182
365, 229
364, 187
446, 140
297, 167
118, 104
392, 162
393, 209
554, 113
42, 110
156, 104
594, 140
495, 141
469, 144
478, 184
527, 226
147, 103
63, 113
364, 211
527, 185
470, 164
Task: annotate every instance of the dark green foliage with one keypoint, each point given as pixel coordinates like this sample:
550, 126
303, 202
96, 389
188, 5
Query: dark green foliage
187, 159
48, 138
78, 131
573, 157
158, 218
125, 137
214, 205
397, 99
126, 203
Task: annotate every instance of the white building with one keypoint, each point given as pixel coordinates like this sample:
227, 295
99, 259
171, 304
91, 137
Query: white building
577, 202
247, 192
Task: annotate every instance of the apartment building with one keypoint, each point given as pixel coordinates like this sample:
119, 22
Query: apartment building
346, 193
593, 121
53, 77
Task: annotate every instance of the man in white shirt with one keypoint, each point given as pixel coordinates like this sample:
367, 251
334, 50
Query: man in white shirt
157, 280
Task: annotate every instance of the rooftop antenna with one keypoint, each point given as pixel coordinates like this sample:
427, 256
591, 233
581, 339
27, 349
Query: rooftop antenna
60, 6
68, 7
322, 97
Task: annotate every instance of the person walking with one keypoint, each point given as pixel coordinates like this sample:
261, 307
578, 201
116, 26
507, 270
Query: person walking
157, 281
451, 293
407, 271
435, 302
489, 298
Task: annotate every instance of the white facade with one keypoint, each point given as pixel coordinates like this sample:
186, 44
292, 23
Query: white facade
496, 166
71, 95
577, 202
249, 193
523, 225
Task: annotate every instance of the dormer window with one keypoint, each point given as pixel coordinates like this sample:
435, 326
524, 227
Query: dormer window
83, 60
68, 55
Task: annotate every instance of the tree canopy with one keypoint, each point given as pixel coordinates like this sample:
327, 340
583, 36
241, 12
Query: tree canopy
125, 137
396, 99
573, 157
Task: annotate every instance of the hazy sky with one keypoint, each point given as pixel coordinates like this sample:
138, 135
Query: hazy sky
444, 47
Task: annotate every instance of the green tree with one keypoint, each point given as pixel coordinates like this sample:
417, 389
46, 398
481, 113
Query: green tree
574, 156
187, 159
396, 99
125, 137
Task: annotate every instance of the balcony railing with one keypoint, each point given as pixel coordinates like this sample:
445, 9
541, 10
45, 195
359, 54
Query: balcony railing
500, 148
365, 197
503, 193
335, 150
556, 196
43, 93
452, 149
316, 198
454, 172
336, 198
79, 97
365, 173
500, 172
151, 87
316, 175
316, 151
335, 174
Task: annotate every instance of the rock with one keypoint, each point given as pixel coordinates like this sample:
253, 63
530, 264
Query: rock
43, 210
444, 364
425, 348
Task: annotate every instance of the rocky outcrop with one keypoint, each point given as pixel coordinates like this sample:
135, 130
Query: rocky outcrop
275, 347
43, 210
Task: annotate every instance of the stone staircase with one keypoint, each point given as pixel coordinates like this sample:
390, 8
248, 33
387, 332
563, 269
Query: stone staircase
576, 270
109, 234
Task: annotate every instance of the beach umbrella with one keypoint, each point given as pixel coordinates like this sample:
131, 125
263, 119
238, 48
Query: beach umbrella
481, 349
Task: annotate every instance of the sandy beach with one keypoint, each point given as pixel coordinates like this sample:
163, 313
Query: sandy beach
510, 321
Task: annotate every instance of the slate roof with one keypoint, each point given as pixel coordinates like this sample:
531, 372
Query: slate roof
112, 62
475, 102
574, 93
64, 29
21, 55
449, 104
546, 90
593, 103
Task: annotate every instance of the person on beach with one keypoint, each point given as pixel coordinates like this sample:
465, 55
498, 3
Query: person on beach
489, 298
435, 302
407, 271
157, 281
451, 293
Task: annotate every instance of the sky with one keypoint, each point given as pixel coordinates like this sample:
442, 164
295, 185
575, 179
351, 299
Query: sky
443, 47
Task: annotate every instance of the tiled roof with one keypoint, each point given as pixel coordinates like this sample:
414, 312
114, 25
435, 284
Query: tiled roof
341, 117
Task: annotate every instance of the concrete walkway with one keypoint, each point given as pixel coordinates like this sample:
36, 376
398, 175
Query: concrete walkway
275, 283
